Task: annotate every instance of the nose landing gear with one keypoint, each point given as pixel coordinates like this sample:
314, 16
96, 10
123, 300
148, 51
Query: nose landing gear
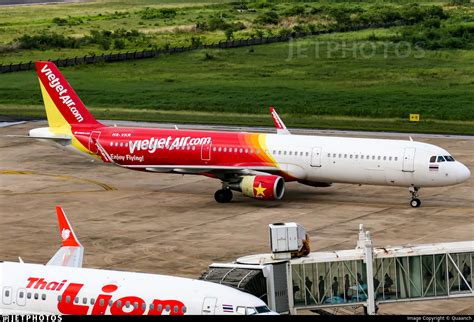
415, 202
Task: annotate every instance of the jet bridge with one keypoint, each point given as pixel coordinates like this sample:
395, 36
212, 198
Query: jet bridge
364, 277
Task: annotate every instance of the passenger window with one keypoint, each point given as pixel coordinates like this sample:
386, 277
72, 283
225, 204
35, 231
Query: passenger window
76, 300
329, 155
433, 158
36, 296
225, 149
351, 156
119, 303
159, 307
68, 299
251, 151
28, 295
168, 308
368, 157
356, 156
373, 157
284, 152
194, 148
110, 303
345, 156
396, 158
307, 154
21, 295
7, 293
214, 149
127, 304
151, 307
384, 158
246, 150
143, 306
378, 158
334, 155
440, 158
59, 298
362, 157
340, 155
101, 302
390, 159
92, 301
111, 143
176, 309
135, 305
43, 297
240, 150
84, 300
183, 309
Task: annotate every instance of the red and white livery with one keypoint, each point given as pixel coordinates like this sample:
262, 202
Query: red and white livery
62, 286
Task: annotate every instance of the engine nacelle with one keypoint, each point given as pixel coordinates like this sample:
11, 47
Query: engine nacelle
262, 187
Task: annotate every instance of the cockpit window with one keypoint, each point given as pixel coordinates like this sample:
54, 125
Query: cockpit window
251, 311
433, 158
440, 158
262, 309
449, 158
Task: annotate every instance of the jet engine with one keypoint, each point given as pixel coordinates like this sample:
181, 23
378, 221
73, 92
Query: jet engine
269, 187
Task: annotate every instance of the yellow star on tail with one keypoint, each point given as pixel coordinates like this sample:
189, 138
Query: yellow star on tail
259, 190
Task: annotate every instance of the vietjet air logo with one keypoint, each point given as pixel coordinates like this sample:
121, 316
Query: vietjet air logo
168, 143
126, 305
66, 99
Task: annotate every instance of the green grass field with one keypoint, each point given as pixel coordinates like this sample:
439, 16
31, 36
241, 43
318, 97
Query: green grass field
328, 89
357, 80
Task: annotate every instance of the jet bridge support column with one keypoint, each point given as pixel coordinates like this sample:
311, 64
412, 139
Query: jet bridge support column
365, 243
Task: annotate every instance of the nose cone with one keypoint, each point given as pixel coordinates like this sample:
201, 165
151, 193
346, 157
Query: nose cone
463, 173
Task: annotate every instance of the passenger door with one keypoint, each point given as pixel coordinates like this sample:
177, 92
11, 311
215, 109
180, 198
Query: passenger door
409, 160
94, 136
316, 157
7, 295
209, 305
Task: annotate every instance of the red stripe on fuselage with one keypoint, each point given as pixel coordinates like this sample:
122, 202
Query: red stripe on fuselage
139, 146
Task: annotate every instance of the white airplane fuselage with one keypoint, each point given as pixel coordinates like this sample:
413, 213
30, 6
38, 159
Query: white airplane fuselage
48, 289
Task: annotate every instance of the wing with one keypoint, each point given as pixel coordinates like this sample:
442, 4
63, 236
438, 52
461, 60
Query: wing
281, 128
71, 252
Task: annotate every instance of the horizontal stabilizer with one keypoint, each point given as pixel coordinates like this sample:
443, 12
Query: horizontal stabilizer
71, 252
61, 139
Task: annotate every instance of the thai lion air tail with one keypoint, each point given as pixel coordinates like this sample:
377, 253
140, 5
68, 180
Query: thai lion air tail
63, 107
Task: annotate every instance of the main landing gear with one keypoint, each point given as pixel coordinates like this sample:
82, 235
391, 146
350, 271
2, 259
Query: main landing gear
223, 195
415, 202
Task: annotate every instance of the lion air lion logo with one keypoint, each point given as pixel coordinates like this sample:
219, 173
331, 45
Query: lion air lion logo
65, 233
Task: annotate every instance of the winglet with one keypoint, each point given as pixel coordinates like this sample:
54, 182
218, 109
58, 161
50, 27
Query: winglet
71, 252
67, 234
281, 128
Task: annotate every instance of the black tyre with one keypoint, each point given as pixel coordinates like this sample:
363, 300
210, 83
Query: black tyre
415, 203
223, 195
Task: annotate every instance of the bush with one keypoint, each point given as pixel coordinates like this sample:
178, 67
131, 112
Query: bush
268, 18
48, 40
119, 44
152, 13
295, 11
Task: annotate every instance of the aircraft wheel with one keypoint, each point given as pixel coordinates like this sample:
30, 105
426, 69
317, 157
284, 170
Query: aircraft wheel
223, 195
415, 203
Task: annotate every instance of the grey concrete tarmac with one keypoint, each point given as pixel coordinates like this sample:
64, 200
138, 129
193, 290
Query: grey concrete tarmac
170, 224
